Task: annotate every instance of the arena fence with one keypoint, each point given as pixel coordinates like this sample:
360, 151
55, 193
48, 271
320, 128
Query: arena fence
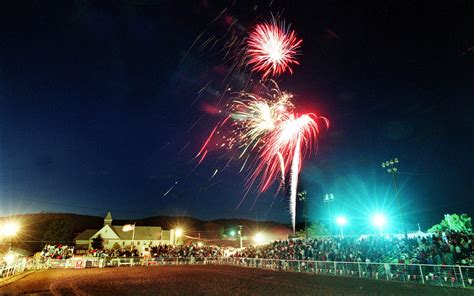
15, 267
440, 275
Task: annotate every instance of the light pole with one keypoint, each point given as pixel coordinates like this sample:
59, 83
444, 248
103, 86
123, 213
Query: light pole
178, 233
240, 236
392, 169
302, 196
329, 198
341, 221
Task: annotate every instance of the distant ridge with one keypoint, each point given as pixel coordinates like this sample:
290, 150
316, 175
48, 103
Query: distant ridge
34, 225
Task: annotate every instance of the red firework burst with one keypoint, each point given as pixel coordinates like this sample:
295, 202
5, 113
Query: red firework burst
272, 48
268, 131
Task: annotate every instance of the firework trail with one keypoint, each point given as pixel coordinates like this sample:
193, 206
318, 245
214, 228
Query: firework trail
266, 129
171, 188
295, 169
272, 48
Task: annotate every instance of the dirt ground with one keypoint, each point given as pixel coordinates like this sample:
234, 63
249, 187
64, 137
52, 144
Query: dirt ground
207, 280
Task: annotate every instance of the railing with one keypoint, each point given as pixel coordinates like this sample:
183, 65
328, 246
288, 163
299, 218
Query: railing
10, 269
441, 275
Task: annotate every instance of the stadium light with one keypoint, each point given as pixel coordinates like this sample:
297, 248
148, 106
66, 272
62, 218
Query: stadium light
9, 258
329, 198
9, 229
392, 168
177, 233
232, 233
379, 220
341, 221
258, 238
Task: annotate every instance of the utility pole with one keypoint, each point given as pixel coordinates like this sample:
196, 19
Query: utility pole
133, 236
392, 169
240, 236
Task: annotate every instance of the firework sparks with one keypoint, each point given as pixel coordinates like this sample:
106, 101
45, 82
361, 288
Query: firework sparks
266, 129
272, 48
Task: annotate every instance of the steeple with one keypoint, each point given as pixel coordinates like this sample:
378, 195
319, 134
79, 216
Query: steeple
108, 219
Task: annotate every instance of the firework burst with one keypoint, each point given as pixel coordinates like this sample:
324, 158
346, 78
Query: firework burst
266, 129
272, 48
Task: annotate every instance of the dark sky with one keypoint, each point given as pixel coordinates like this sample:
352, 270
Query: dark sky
99, 107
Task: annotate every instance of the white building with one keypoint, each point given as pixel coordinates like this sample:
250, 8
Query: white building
114, 236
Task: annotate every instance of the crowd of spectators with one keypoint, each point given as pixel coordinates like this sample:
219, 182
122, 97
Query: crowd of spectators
57, 251
163, 251
186, 251
103, 253
443, 249
446, 249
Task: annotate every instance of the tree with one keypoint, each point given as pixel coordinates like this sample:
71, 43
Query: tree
303, 196
314, 230
454, 222
97, 243
59, 231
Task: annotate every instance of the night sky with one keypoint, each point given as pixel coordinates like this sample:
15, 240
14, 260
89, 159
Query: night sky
101, 109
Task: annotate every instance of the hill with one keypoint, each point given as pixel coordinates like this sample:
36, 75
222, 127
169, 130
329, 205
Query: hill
34, 225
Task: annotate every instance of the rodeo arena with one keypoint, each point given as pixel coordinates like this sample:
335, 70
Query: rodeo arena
444, 260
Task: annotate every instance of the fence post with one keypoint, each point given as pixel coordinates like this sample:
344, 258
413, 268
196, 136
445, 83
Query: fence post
462, 277
358, 266
422, 275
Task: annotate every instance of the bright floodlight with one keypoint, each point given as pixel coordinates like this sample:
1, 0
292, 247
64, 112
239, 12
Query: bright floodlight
379, 220
232, 232
9, 258
341, 220
258, 238
179, 232
9, 229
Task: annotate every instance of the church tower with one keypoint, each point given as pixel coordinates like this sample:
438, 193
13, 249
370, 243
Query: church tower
108, 219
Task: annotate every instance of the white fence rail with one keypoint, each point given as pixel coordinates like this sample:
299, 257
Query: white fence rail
15, 267
441, 275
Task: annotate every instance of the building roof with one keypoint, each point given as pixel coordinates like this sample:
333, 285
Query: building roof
86, 234
109, 216
141, 233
